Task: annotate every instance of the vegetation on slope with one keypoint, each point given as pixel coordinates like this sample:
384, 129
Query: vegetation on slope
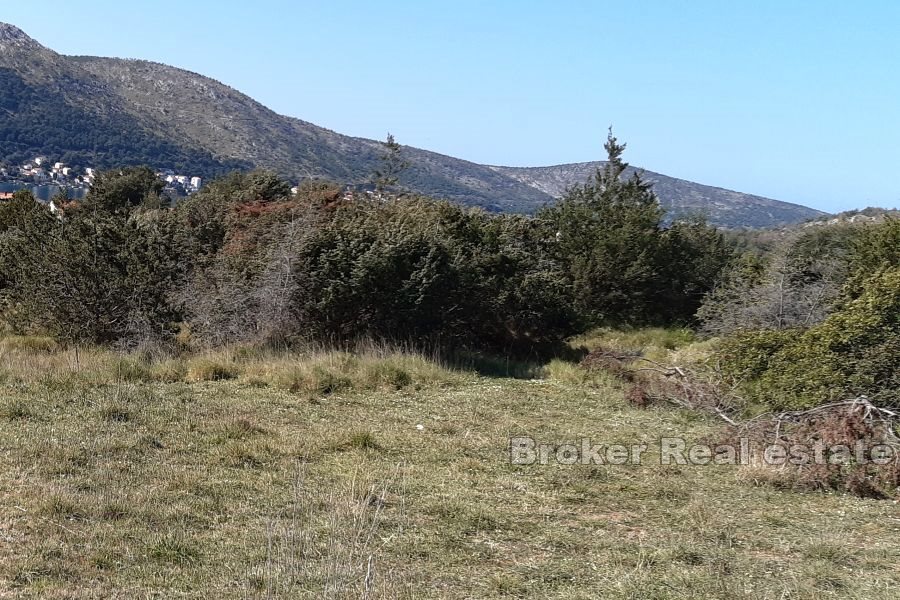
681, 198
39, 120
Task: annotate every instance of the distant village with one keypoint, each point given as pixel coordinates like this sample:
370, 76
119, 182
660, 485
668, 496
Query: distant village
40, 171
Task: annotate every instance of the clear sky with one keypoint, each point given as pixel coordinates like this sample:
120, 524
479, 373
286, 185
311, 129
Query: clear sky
798, 101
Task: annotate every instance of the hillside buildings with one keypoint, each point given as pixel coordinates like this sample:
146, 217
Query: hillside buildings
40, 171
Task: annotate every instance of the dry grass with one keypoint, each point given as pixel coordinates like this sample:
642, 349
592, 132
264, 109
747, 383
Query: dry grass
655, 343
314, 373
338, 553
573, 374
133, 487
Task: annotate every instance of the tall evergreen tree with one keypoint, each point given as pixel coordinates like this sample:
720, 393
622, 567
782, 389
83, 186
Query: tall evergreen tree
392, 164
607, 233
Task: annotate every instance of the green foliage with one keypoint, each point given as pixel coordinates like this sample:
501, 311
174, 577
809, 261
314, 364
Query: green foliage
691, 258
747, 355
240, 212
413, 269
38, 119
794, 285
622, 265
311, 266
874, 247
855, 351
100, 275
607, 232
245, 260
392, 165
22, 211
124, 189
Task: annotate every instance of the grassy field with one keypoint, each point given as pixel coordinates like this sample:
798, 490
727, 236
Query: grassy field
383, 476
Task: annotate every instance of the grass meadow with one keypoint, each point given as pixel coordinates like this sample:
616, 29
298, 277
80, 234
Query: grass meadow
386, 474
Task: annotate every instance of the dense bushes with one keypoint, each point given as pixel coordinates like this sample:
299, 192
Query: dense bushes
792, 283
100, 275
415, 269
245, 260
854, 351
622, 265
407, 269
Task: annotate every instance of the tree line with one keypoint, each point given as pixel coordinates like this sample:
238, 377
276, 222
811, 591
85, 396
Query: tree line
801, 316
245, 260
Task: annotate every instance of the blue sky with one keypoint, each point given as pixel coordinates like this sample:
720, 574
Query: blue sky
798, 101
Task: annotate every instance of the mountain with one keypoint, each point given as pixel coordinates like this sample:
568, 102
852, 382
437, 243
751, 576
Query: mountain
50, 105
105, 112
214, 117
678, 196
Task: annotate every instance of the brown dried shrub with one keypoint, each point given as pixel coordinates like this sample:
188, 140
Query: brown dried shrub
613, 361
638, 396
856, 426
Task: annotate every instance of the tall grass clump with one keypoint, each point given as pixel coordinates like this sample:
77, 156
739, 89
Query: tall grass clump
651, 340
326, 372
211, 368
312, 372
29, 343
575, 374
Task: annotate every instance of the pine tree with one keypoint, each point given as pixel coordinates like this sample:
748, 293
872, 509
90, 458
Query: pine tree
608, 233
392, 164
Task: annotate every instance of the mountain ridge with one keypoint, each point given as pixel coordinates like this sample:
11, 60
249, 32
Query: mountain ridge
147, 112
718, 204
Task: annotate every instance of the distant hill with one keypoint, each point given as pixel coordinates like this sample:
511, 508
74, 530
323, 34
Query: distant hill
104, 112
678, 196
870, 214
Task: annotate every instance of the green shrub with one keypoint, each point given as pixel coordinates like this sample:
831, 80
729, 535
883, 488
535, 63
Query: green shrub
424, 271
855, 351
746, 355
103, 275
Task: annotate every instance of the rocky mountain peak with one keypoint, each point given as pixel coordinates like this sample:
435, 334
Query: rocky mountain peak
11, 33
